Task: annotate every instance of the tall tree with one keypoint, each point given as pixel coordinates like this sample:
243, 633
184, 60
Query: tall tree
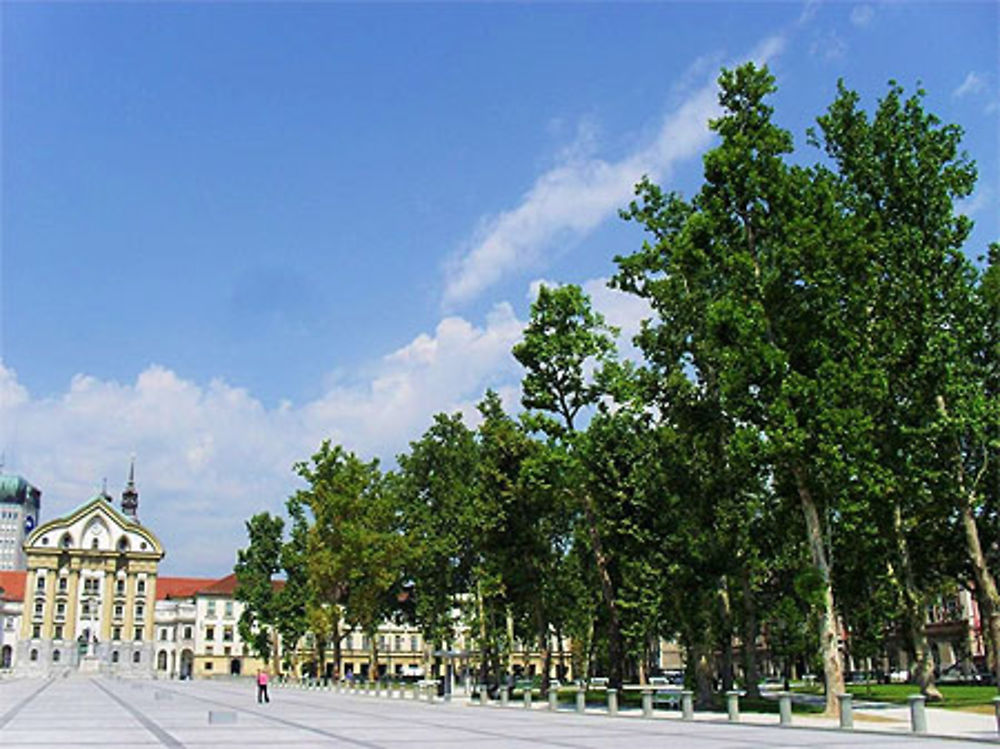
564, 343
340, 489
756, 268
255, 569
899, 173
440, 516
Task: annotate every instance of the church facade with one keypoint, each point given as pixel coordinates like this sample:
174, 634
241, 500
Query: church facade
90, 590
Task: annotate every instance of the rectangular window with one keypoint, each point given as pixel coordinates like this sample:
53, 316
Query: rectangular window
208, 665
229, 608
119, 611
38, 607
59, 632
140, 587
211, 608
209, 633
116, 633
187, 633
139, 611
36, 631
60, 609
40, 583
227, 651
137, 633
163, 635
414, 643
227, 634
120, 587
62, 584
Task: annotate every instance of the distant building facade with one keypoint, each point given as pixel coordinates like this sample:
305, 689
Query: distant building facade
20, 503
89, 593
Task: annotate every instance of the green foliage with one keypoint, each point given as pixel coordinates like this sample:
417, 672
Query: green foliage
255, 568
815, 421
440, 518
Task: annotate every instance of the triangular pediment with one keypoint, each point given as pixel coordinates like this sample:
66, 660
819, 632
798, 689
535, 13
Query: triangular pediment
95, 527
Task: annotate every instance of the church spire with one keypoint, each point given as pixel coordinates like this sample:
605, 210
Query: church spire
130, 497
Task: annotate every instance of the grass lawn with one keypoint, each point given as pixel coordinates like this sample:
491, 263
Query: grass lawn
955, 697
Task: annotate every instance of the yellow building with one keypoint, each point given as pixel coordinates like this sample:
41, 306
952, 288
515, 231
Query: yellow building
90, 591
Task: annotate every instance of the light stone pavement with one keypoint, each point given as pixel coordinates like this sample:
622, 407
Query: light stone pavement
86, 712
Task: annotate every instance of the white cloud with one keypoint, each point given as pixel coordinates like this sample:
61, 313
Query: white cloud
623, 311
572, 198
862, 15
974, 83
208, 457
830, 46
975, 203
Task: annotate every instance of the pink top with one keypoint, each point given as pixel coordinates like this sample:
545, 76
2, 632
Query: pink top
262, 677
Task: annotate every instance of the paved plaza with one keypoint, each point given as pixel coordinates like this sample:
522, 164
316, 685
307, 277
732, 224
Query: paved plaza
88, 712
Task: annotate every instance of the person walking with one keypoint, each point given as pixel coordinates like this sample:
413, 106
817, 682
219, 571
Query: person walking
262, 687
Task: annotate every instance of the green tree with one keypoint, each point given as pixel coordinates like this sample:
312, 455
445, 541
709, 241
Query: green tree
899, 173
564, 343
255, 569
440, 517
756, 272
340, 489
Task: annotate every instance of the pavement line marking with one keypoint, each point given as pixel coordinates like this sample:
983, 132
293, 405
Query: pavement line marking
164, 738
8, 716
282, 721
432, 724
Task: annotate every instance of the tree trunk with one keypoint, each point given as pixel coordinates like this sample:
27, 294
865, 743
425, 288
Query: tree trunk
615, 649
484, 648
986, 585
922, 670
373, 661
749, 635
337, 647
562, 653
725, 635
833, 672
703, 677
544, 648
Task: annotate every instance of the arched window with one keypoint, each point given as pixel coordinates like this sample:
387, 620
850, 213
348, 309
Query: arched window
33, 655
94, 544
67, 541
161, 660
114, 656
55, 656
136, 656
123, 544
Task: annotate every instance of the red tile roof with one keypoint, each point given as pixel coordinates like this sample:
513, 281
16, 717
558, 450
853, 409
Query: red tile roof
180, 587
12, 585
225, 586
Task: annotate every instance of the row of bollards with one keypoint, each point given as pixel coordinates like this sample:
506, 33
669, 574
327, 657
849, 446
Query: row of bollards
917, 704
427, 690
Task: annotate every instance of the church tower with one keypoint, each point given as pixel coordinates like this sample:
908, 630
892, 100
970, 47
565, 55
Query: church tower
130, 497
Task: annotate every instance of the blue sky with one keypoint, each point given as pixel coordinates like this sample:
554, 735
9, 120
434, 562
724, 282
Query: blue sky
231, 230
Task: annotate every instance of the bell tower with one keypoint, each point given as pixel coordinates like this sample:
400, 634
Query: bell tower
130, 497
